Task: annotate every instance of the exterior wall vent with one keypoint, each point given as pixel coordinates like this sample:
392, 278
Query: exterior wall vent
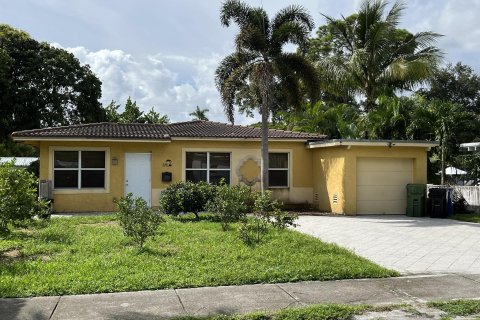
335, 198
316, 197
45, 189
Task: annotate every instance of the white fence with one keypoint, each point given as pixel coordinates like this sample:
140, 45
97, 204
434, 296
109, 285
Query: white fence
470, 193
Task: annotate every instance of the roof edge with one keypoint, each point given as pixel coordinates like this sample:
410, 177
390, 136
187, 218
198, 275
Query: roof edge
372, 143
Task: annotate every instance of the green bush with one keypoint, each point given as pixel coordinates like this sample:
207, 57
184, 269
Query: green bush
231, 204
18, 196
187, 197
137, 219
267, 211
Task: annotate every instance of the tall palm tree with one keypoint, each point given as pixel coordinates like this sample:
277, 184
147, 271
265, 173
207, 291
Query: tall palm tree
367, 54
259, 74
199, 114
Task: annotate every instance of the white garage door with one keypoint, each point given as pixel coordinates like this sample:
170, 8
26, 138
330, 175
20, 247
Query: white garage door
381, 185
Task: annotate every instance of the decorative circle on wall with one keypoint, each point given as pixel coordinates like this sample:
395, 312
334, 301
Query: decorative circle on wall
249, 171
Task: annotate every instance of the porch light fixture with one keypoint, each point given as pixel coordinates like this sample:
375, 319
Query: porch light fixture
167, 163
114, 161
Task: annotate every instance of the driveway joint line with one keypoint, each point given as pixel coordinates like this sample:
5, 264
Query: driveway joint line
55, 307
180, 300
289, 294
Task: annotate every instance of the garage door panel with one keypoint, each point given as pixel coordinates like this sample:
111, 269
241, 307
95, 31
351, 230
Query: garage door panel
379, 193
384, 164
383, 178
381, 185
380, 207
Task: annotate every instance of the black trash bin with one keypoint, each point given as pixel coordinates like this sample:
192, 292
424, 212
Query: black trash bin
437, 203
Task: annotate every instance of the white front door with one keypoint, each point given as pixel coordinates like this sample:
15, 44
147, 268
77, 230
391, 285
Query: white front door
138, 175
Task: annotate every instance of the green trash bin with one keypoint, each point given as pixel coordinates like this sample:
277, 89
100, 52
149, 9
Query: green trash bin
416, 200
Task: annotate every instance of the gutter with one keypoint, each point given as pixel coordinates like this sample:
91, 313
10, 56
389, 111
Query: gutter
372, 143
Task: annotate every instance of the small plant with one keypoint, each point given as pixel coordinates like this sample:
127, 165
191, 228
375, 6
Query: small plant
231, 204
187, 197
18, 196
267, 211
137, 219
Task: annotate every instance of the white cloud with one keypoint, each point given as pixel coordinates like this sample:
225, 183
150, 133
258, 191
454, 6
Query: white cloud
173, 85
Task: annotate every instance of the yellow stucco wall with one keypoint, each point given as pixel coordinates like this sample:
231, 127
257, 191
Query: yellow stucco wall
335, 172
300, 187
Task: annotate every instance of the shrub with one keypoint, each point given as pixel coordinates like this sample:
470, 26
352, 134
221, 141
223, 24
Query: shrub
187, 197
18, 196
230, 204
267, 211
137, 219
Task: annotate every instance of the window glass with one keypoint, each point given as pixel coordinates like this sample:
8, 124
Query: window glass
217, 175
66, 159
196, 175
278, 178
219, 160
93, 178
93, 159
65, 178
196, 160
278, 160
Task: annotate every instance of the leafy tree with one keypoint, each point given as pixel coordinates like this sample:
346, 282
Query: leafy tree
43, 86
132, 114
154, 117
455, 83
259, 71
389, 120
445, 122
199, 114
367, 54
334, 120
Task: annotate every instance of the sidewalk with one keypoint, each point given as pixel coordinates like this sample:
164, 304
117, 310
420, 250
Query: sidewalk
241, 299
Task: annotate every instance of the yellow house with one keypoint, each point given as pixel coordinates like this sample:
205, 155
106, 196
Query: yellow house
91, 165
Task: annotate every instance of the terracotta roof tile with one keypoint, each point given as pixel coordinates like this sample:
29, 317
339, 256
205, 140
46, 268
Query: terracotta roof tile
141, 131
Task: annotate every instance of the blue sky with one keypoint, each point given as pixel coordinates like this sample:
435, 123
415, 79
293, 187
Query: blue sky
164, 53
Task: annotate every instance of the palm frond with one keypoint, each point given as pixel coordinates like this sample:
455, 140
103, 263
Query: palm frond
290, 32
293, 13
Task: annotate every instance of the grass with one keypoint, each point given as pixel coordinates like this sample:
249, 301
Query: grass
90, 255
457, 307
468, 217
314, 312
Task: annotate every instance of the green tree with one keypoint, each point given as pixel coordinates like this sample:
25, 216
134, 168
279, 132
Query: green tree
132, 113
389, 120
43, 85
199, 114
259, 70
111, 112
334, 120
443, 121
367, 54
455, 83
154, 117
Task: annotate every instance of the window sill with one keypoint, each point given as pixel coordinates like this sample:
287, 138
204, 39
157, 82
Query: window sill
80, 191
284, 187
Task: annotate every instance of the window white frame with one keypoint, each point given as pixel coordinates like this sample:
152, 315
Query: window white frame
51, 168
287, 169
208, 169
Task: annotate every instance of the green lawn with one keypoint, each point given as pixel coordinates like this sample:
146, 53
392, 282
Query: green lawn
469, 217
457, 308
91, 255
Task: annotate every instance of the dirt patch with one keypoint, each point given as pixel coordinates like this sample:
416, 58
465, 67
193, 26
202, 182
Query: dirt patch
12, 254
101, 224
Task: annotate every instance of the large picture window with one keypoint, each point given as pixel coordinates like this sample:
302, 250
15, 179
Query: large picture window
211, 167
78, 169
278, 170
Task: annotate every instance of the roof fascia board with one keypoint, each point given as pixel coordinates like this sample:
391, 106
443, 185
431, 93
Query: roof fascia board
425, 144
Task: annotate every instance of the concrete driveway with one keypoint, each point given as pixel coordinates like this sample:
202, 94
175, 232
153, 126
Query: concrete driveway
408, 245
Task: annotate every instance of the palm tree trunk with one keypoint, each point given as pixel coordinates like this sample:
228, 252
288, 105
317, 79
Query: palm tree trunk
266, 80
442, 157
265, 157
